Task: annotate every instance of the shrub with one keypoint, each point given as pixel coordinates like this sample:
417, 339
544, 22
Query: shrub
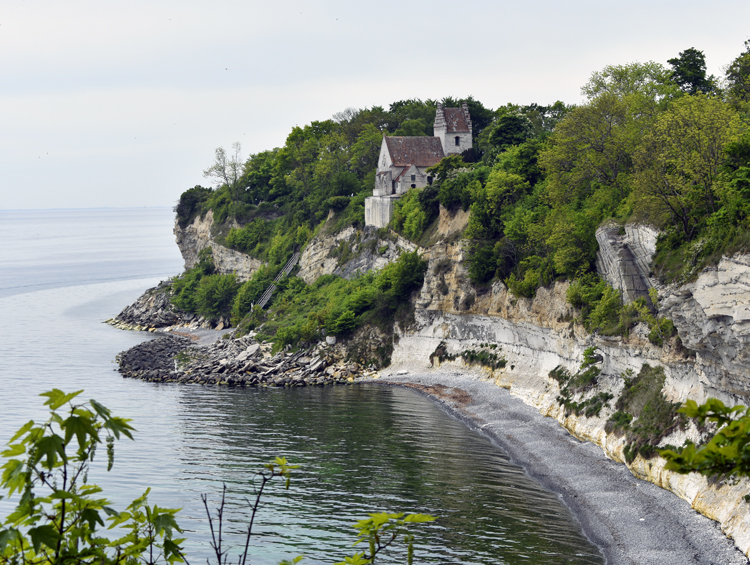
190, 204
605, 316
643, 413
403, 276
250, 238
343, 324
408, 216
482, 264
215, 295
58, 516
250, 292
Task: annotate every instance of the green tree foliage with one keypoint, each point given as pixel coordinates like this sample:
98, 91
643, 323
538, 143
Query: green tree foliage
185, 287
408, 215
365, 151
190, 204
639, 148
490, 203
680, 159
215, 296
412, 128
591, 149
510, 130
737, 76
650, 80
689, 72
727, 453
60, 514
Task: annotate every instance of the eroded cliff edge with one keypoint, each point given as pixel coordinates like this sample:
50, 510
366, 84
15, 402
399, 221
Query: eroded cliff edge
711, 315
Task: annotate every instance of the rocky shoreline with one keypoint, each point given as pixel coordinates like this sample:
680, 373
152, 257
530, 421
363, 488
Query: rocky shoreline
234, 362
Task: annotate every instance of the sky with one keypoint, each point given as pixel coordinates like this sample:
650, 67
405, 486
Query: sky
122, 104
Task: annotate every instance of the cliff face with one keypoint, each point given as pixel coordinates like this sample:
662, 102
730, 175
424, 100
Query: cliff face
349, 252
712, 316
624, 258
198, 235
710, 359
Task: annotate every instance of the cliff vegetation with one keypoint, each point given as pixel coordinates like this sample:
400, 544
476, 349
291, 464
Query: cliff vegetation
663, 145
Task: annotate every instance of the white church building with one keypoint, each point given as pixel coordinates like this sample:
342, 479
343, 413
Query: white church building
403, 161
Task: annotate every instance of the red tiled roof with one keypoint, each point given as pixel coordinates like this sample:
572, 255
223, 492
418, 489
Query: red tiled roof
455, 119
402, 173
419, 151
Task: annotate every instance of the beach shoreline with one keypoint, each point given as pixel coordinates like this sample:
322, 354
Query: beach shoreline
630, 520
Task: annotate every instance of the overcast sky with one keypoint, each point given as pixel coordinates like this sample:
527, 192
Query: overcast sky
113, 104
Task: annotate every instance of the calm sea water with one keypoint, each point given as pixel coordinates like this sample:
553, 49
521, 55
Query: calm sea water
362, 448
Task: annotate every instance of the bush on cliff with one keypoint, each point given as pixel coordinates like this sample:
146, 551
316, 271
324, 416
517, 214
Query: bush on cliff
215, 296
299, 312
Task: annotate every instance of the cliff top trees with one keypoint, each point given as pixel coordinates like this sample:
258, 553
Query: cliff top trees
680, 159
738, 79
689, 72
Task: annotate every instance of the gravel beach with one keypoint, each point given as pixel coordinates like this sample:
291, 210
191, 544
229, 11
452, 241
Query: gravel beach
631, 521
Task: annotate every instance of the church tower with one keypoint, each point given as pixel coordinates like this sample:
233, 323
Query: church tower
453, 128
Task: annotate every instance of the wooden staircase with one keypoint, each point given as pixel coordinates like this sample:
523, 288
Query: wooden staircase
266, 296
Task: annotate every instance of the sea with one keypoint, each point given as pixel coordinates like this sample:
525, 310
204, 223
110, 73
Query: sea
360, 449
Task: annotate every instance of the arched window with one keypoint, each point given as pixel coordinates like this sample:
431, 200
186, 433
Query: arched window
458, 141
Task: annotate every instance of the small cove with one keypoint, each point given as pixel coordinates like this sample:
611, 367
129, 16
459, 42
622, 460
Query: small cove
362, 448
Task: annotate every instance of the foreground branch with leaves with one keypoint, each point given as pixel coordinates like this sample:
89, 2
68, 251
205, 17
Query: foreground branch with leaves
727, 453
59, 516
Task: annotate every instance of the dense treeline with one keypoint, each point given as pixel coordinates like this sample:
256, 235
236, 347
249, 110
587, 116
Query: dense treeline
667, 146
280, 196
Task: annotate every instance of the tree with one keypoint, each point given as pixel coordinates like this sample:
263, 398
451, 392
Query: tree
59, 513
365, 151
412, 128
650, 79
737, 76
256, 175
689, 72
215, 294
510, 130
592, 147
227, 168
680, 159
500, 193
728, 451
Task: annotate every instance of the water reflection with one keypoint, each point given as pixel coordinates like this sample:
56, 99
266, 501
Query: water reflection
366, 449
